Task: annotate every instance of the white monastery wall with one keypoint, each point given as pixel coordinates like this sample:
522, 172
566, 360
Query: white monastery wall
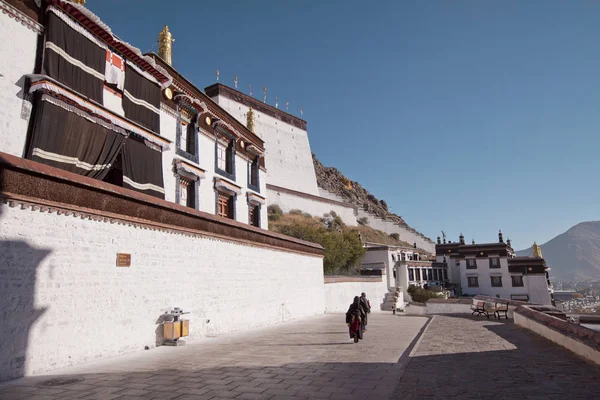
206, 192
391, 227
332, 196
18, 48
537, 288
288, 157
168, 130
339, 295
289, 201
67, 303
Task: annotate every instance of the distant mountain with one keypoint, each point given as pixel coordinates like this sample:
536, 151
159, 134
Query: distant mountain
574, 254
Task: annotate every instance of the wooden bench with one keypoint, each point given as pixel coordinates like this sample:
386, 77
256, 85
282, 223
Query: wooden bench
479, 308
499, 308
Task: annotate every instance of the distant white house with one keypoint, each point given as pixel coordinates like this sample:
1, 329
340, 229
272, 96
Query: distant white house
492, 269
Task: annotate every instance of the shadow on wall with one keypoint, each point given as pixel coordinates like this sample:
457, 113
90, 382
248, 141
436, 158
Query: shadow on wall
18, 270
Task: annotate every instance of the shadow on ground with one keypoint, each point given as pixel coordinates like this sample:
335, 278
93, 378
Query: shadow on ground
528, 367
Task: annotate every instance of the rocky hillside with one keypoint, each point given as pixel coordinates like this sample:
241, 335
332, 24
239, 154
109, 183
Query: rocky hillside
332, 180
574, 254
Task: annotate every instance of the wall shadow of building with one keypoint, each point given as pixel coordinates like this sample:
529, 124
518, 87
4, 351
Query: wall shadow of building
19, 263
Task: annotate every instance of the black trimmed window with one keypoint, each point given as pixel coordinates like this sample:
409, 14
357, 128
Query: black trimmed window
517, 280
445, 274
418, 275
472, 281
254, 175
471, 263
187, 192
496, 281
254, 214
435, 274
225, 204
186, 142
411, 274
225, 157
429, 275
494, 262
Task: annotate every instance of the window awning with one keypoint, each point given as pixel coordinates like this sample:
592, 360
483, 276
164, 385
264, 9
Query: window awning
188, 170
227, 186
256, 199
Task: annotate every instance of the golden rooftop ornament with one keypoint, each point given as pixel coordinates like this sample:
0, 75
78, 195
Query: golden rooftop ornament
82, 2
217, 75
537, 250
250, 120
165, 45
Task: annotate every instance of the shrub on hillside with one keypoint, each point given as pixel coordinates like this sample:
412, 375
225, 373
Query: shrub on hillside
363, 221
395, 236
343, 251
306, 215
296, 212
421, 295
274, 212
274, 209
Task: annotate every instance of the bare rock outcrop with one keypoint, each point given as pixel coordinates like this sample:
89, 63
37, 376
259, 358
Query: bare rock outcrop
332, 180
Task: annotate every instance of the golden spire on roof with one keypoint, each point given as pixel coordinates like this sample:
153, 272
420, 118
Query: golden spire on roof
250, 120
165, 45
537, 250
82, 2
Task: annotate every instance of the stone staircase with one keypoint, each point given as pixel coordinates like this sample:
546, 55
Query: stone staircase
391, 297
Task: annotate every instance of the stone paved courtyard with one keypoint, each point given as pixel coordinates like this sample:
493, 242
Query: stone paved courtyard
453, 357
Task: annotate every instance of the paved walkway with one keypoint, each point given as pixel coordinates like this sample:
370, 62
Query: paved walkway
466, 358
309, 359
455, 357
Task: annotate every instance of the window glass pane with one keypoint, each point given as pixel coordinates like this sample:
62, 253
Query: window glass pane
183, 195
221, 157
183, 137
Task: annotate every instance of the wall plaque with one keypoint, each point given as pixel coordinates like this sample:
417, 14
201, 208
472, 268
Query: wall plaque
123, 260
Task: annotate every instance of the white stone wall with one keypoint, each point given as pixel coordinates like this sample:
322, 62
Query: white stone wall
18, 49
385, 257
206, 162
339, 295
537, 286
65, 302
288, 157
560, 338
391, 227
289, 201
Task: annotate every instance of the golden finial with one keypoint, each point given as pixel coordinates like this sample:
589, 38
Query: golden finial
537, 250
82, 2
165, 45
250, 120
217, 75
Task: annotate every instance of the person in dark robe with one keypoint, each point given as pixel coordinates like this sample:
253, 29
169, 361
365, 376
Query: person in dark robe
353, 319
366, 306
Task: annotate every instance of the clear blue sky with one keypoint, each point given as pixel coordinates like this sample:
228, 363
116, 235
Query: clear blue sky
463, 115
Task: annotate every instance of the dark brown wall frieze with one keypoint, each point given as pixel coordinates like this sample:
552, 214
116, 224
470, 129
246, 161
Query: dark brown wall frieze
29, 184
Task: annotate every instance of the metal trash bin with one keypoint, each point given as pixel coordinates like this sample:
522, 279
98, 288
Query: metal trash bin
174, 330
